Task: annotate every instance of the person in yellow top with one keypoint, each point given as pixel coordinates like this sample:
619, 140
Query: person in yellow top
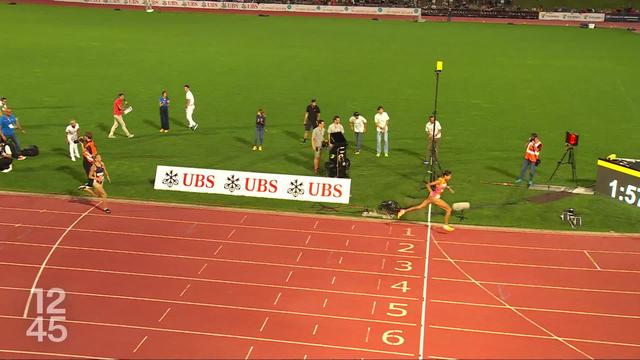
436, 188
531, 158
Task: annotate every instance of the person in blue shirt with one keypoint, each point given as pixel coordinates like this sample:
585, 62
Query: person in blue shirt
164, 112
8, 124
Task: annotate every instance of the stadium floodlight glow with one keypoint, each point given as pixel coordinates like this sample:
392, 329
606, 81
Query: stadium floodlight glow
439, 66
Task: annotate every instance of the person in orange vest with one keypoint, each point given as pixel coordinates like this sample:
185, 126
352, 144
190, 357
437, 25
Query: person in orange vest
531, 158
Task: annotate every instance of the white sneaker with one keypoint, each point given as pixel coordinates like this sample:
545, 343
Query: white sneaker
112, 136
21, 157
8, 169
130, 136
195, 126
73, 159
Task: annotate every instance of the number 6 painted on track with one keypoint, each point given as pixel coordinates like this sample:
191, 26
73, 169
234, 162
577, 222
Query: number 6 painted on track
390, 338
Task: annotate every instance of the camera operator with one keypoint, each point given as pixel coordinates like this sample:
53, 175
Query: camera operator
317, 143
72, 139
531, 158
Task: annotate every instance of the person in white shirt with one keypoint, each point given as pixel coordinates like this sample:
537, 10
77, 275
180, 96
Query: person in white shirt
382, 126
359, 126
190, 106
433, 136
72, 139
335, 126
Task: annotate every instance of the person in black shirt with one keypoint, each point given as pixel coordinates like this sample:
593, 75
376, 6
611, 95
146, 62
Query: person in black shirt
261, 118
311, 117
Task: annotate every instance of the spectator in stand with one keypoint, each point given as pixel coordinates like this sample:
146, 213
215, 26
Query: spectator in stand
311, 118
261, 120
382, 126
118, 110
359, 126
8, 124
5, 157
164, 112
72, 139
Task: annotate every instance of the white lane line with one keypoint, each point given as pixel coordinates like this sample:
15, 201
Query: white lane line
163, 315
373, 308
539, 266
308, 238
289, 276
231, 234
353, 227
277, 298
315, 225
324, 304
299, 256
243, 219
264, 323
340, 260
315, 329
140, 344
46, 259
347, 243
304, 357
68, 356
383, 261
386, 247
592, 260
185, 290
379, 284
333, 281
249, 353
202, 269
219, 281
217, 251
366, 339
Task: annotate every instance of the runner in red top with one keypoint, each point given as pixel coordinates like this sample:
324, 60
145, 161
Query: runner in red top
118, 110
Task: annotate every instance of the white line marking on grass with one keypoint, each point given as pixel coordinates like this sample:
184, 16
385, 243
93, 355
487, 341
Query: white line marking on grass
46, 259
289, 276
163, 315
185, 290
140, 344
217, 251
264, 323
277, 298
592, 260
366, 338
249, 353
231, 233
201, 270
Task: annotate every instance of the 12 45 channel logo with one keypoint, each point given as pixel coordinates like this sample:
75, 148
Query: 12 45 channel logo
53, 316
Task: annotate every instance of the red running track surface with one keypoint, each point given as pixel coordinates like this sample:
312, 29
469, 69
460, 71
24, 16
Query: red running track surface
164, 281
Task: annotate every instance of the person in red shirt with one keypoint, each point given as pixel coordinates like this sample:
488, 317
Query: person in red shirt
531, 158
118, 111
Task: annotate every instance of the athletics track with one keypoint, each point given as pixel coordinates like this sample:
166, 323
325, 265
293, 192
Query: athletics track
158, 281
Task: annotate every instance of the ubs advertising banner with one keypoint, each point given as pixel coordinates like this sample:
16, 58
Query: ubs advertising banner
264, 185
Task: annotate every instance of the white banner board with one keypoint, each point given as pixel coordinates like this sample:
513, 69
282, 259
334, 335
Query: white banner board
564, 16
215, 5
263, 185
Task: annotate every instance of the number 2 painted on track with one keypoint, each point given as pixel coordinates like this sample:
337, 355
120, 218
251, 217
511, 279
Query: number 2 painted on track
407, 248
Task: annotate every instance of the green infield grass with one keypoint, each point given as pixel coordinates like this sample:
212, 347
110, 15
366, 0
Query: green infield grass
499, 84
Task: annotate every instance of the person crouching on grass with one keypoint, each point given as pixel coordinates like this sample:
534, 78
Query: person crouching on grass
317, 137
261, 119
96, 174
436, 188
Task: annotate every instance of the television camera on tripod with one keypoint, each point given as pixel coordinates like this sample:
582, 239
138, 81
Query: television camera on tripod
338, 163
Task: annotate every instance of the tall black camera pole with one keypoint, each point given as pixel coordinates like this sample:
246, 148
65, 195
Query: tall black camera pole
432, 158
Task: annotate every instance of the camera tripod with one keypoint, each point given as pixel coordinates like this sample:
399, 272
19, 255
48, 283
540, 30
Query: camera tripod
571, 159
